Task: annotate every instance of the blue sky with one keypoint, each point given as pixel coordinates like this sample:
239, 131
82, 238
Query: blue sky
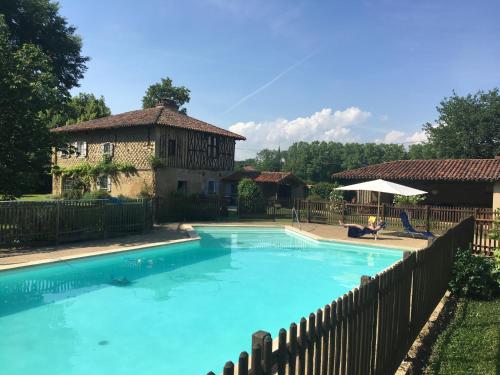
284, 71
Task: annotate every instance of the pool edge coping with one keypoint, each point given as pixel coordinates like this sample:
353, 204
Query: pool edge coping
33, 263
192, 236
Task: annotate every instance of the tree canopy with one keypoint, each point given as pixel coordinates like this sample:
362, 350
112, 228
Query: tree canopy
40, 61
269, 160
467, 127
38, 23
166, 90
82, 107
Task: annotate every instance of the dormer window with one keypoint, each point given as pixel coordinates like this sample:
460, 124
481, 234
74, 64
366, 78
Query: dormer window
213, 146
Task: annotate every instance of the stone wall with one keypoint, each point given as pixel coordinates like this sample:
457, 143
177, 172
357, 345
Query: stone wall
133, 145
197, 180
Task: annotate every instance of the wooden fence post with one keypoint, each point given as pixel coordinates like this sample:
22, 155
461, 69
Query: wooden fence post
144, 211
365, 279
342, 214
58, 218
427, 218
308, 207
104, 223
258, 338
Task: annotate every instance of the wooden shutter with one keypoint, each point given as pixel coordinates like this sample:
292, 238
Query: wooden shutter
84, 148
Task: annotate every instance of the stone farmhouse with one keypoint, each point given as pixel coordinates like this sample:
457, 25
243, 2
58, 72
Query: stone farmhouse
195, 155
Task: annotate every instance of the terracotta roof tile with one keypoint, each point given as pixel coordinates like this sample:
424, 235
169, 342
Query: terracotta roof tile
487, 170
263, 177
151, 116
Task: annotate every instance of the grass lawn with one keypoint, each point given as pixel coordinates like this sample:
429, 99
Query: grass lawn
471, 342
36, 197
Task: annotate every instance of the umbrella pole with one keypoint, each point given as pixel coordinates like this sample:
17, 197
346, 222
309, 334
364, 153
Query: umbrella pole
378, 212
378, 207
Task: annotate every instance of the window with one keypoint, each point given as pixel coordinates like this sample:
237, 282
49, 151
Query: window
182, 186
107, 150
67, 184
104, 183
213, 146
81, 148
212, 187
171, 147
64, 153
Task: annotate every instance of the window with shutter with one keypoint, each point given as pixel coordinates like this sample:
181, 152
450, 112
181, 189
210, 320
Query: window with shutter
104, 183
81, 149
213, 146
171, 147
107, 150
212, 187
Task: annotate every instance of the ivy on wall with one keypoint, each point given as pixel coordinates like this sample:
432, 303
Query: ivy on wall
86, 175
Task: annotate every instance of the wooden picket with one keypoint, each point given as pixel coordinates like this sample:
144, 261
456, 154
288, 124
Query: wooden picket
25, 223
369, 330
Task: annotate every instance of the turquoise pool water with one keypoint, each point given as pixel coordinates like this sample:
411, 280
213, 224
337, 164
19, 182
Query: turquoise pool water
177, 309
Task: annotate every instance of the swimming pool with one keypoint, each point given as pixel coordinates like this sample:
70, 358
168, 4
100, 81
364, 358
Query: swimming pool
175, 309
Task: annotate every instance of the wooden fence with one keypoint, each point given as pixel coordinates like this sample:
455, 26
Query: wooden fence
25, 223
367, 331
436, 219
193, 208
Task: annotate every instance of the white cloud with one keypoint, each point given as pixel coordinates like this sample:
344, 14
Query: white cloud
325, 125
417, 137
394, 136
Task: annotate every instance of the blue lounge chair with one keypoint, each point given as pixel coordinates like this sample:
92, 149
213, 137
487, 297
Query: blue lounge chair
355, 232
412, 231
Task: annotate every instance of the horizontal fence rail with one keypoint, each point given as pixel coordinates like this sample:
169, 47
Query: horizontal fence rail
368, 330
436, 219
24, 223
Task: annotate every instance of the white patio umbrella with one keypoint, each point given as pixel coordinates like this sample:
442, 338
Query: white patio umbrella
382, 186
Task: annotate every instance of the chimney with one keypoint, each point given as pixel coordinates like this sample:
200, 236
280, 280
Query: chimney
497, 156
168, 103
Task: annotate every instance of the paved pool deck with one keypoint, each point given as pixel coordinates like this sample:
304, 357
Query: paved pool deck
174, 233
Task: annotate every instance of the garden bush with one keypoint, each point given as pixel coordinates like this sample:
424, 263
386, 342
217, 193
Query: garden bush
473, 276
326, 190
248, 189
96, 194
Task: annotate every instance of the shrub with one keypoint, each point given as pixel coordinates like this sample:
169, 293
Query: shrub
402, 200
96, 194
314, 197
326, 190
72, 194
248, 189
472, 276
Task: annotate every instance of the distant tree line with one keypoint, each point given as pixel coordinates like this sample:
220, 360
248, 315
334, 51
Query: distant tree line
467, 127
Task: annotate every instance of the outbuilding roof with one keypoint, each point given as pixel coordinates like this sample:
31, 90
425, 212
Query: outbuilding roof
159, 115
263, 177
485, 170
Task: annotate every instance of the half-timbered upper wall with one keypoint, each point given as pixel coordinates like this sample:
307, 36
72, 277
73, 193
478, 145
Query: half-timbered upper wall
181, 148
133, 145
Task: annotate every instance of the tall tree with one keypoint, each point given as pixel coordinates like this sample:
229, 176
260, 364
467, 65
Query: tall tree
82, 107
165, 90
269, 160
467, 127
27, 86
421, 151
38, 22
40, 61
